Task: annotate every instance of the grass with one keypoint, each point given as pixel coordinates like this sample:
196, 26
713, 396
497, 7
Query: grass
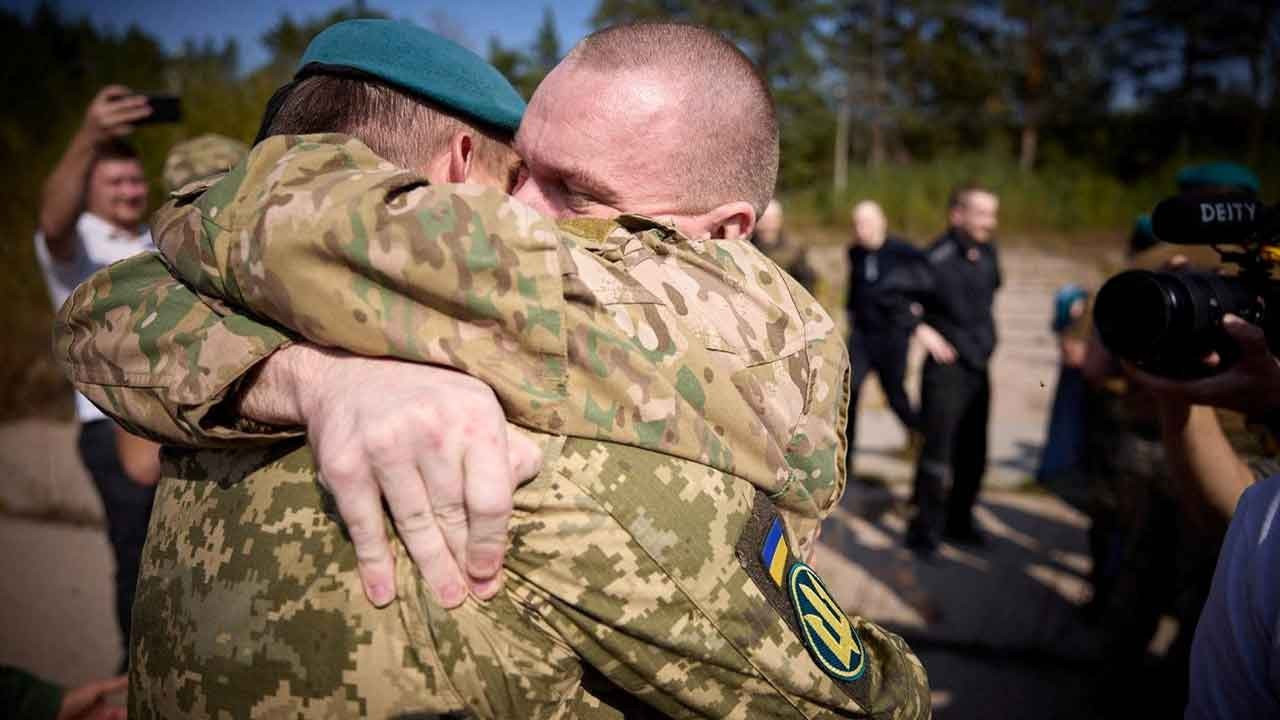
1064, 199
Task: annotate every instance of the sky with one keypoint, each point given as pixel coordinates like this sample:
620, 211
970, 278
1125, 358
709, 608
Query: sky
512, 21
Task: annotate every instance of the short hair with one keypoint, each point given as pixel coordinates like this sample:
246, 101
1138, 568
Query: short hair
115, 149
960, 193
406, 130
728, 106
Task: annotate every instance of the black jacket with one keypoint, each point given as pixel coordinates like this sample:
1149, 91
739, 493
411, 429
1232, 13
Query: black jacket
966, 276
883, 284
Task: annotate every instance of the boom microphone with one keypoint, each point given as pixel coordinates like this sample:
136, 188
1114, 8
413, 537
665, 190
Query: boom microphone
1196, 219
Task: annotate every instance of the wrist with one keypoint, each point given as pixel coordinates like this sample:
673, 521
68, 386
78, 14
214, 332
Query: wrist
285, 387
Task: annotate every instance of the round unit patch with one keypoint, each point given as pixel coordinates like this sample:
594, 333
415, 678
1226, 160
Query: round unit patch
827, 631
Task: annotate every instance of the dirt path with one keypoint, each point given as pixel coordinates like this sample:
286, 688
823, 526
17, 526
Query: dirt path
998, 629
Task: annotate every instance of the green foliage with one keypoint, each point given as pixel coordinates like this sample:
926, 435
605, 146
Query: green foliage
526, 69
49, 70
1068, 196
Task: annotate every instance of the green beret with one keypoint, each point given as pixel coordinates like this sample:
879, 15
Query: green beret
419, 62
1220, 174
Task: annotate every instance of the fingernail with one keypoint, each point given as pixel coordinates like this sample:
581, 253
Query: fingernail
484, 564
379, 593
451, 595
488, 588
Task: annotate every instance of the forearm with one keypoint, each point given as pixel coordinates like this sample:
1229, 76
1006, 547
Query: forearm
1203, 461
62, 199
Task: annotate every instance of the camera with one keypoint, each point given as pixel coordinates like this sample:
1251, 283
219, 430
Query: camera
1167, 322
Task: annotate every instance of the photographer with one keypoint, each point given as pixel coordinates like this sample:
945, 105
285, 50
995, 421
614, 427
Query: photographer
92, 214
1235, 656
1211, 462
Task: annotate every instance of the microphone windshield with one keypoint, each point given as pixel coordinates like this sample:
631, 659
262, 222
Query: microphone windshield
1197, 219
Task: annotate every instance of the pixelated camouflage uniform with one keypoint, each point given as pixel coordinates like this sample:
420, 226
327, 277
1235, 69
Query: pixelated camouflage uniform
201, 157
690, 401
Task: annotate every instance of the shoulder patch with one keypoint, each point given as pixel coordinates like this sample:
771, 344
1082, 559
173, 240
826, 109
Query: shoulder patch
828, 633
801, 599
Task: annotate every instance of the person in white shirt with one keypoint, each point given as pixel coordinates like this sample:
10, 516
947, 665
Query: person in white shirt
92, 213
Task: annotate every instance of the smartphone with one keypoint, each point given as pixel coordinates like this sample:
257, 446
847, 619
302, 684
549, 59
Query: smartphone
165, 109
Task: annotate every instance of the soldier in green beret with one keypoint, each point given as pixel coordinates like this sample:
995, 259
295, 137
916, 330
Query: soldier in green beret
684, 393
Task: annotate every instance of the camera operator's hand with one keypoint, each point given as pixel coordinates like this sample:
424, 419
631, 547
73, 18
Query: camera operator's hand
112, 114
1250, 386
939, 349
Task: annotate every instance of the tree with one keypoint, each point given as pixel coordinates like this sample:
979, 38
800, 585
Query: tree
527, 68
1058, 70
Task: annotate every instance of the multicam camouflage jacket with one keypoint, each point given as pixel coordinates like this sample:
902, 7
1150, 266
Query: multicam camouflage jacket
622, 338
615, 330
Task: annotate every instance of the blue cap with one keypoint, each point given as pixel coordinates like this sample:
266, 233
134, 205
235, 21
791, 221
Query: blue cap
1219, 174
421, 63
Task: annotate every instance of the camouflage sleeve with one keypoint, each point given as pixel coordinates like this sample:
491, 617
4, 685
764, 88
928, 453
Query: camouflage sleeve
158, 359
370, 259
320, 236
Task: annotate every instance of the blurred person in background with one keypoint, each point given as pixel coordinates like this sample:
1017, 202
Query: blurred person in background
780, 247
1233, 664
887, 279
959, 332
1064, 444
93, 212
1165, 476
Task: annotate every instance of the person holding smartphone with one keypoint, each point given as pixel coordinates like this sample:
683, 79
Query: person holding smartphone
92, 213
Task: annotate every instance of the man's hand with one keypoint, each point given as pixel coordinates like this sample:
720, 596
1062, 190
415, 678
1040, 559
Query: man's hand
1250, 386
433, 442
89, 702
112, 114
939, 349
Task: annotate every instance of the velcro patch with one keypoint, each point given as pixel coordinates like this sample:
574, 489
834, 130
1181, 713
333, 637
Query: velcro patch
801, 598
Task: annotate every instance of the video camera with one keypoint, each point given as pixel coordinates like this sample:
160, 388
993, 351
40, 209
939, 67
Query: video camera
1167, 322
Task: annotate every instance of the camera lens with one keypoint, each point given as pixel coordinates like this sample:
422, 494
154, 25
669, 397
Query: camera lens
1168, 321
1136, 311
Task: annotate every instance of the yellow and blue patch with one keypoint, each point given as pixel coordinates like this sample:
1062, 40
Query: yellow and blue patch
775, 553
826, 631
801, 599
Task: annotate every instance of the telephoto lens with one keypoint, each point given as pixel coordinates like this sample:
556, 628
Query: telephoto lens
1168, 322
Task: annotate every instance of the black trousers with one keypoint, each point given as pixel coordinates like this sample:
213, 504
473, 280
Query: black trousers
127, 506
955, 406
886, 354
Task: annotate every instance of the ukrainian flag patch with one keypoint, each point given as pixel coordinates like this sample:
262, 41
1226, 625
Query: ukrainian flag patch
775, 553
802, 601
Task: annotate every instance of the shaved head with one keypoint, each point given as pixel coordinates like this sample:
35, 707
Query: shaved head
869, 225
723, 108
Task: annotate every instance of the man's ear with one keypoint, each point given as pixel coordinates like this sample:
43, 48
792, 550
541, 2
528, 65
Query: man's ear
461, 151
731, 221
